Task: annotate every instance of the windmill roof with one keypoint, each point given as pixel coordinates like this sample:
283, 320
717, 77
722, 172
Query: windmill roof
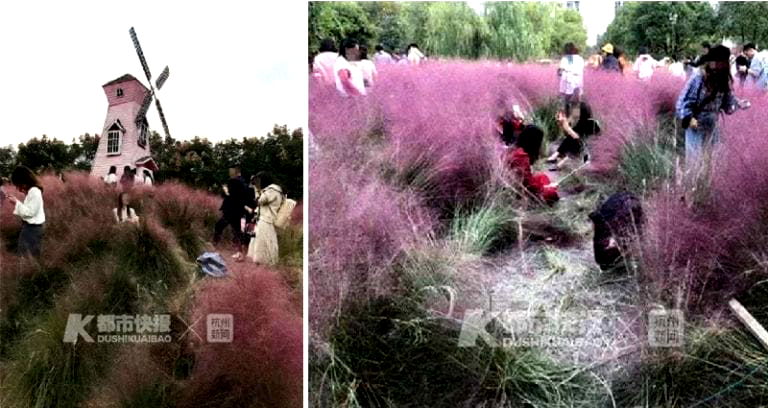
124, 78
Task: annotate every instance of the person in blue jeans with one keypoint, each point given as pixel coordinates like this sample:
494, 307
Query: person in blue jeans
702, 100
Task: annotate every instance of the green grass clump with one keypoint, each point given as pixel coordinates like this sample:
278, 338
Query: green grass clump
716, 368
389, 353
490, 225
646, 162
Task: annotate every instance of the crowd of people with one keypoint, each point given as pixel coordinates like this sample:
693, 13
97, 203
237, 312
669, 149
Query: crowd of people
250, 209
748, 65
349, 68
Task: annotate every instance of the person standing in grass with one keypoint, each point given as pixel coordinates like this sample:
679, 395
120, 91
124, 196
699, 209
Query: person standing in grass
610, 63
124, 212
382, 57
127, 179
702, 100
414, 54
232, 209
111, 177
367, 67
31, 211
263, 248
348, 78
322, 64
571, 73
758, 66
645, 65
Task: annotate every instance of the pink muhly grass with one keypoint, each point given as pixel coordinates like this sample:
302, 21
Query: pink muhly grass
262, 366
359, 226
708, 248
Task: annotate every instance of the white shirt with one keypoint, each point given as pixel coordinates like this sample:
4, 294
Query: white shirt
644, 66
677, 69
368, 69
110, 178
415, 56
382, 57
356, 76
125, 216
572, 73
31, 210
322, 66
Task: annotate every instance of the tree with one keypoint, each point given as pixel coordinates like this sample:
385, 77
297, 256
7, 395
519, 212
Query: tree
666, 28
452, 30
45, 154
84, 152
338, 20
7, 161
744, 21
568, 27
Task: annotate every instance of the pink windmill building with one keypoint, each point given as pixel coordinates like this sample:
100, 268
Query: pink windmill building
125, 137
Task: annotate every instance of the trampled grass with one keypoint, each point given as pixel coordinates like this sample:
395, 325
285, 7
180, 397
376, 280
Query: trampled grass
423, 140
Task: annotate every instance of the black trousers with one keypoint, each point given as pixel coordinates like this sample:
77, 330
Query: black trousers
30, 239
237, 233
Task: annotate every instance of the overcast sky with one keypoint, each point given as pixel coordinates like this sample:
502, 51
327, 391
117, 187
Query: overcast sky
237, 68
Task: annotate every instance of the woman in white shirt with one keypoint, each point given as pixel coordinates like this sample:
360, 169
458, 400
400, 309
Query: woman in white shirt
645, 64
571, 72
148, 181
124, 212
415, 56
111, 177
348, 78
367, 67
263, 248
31, 211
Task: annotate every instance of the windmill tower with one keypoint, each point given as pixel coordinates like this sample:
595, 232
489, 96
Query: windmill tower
125, 137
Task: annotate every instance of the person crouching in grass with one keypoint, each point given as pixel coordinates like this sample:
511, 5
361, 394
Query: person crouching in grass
520, 159
31, 211
124, 212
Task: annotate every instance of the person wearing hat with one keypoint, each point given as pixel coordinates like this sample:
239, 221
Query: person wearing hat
701, 101
758, 66
610, 62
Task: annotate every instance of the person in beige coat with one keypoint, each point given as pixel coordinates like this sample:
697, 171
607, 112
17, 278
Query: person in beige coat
263, 248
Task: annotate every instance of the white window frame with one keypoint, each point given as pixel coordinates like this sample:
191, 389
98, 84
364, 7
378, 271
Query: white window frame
143, 138
119, 135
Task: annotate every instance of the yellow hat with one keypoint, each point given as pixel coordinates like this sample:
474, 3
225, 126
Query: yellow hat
608, 48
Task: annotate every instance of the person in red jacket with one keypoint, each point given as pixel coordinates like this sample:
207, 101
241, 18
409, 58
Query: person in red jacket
522, 156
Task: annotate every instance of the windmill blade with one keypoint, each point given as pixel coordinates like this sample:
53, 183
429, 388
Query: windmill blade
162, 117
161, 79
141, 55
140, 116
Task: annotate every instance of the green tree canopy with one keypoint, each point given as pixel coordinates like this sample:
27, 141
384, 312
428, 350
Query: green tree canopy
744, 21
666, 28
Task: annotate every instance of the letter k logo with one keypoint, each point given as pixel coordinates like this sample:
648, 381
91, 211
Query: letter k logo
76, 326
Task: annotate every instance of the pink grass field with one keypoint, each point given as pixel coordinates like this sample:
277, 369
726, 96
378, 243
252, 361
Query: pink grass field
440, 116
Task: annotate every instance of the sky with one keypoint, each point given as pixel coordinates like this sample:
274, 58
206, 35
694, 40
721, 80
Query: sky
236, 68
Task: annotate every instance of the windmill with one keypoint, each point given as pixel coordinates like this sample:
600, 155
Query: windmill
141, 116
125, 143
